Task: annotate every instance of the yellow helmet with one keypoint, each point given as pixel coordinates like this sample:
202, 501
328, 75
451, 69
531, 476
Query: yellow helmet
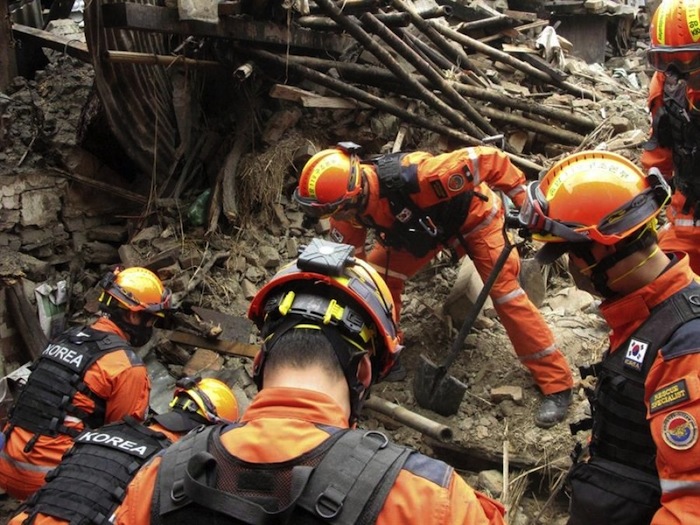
210, 398
136, 289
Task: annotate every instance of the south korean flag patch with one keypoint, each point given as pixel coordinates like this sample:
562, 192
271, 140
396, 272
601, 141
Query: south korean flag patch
635, 354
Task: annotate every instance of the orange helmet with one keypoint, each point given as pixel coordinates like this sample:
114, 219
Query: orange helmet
592, 196
675, 36
327, 286
135, 289
330, 181
210, 398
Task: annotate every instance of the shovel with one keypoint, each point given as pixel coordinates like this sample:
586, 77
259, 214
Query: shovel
432, 387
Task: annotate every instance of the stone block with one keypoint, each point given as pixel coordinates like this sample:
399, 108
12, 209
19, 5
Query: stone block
40, 207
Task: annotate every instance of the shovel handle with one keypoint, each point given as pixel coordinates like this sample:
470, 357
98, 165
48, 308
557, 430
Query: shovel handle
478, 304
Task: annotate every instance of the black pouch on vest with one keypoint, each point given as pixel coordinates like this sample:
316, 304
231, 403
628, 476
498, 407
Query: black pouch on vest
604, 492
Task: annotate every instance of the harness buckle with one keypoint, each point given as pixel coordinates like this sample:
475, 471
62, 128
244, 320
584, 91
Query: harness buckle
428, 225
384, 440
177, 493
329, 503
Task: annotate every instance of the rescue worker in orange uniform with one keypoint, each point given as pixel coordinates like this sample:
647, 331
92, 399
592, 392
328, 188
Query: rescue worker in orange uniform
88, 377
642, 463
91, 480
674, 103
419, 204
329, 328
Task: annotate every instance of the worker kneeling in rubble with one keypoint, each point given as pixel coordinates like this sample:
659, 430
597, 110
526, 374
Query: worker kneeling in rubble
419, 204
329, 328
90, 482
90, 376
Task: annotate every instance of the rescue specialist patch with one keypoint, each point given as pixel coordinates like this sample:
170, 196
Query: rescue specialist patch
679, 430
668, 396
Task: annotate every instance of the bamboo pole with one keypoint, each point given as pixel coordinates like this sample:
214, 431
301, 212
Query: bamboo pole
348, 90
380, 77
411, 419
352, 27
457, 54
130, 57
374, 25
496, 54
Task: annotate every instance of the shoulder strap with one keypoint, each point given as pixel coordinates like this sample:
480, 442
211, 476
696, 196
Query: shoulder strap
173, 462
354, 478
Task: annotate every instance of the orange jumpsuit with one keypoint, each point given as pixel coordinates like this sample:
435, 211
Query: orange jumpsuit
119, 377
283, 423
43, 519
682, 232
463, 170
677, 460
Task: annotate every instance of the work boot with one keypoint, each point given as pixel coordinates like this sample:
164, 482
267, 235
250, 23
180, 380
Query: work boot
553, 409
397, 372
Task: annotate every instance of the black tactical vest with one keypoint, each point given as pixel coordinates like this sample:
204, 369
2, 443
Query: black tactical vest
621, 431
90, 483
415, 230
677, 126
56, 377
343, 481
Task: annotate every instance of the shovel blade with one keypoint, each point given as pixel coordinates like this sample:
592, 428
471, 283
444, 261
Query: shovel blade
435, 390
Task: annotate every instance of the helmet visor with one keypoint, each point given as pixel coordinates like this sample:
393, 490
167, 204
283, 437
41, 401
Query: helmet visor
533, 215
684, 59
614, 226
132, 303
312, 208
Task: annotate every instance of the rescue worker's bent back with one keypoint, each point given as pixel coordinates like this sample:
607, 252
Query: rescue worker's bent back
329, 329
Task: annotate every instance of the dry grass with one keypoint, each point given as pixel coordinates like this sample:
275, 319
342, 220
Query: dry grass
262, 177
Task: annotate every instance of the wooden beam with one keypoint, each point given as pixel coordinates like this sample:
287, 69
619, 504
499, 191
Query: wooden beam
129, 57
8, 61
26, 320
140, 17
69, 46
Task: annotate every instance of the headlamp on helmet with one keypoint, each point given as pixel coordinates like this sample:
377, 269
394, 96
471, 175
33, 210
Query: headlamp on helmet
326, 286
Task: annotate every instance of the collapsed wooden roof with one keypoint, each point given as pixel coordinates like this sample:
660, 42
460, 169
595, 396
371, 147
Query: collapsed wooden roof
169, 84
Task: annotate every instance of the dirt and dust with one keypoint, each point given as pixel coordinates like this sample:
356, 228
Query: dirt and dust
487, 361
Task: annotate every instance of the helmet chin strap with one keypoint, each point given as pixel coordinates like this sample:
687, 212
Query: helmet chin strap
624, 249
139, 334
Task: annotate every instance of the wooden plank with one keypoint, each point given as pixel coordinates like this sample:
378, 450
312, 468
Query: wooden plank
513, 32
218, 345
69, 46
233, 327
156, 19
8, 62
